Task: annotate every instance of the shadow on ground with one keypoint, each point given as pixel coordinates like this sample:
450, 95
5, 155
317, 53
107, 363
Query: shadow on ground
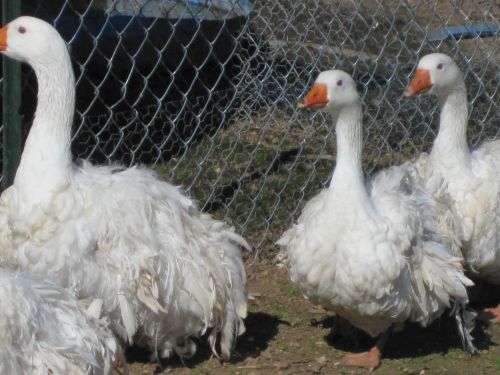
410, 341
261, 328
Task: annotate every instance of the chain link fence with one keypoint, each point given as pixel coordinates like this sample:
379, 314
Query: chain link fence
205, 91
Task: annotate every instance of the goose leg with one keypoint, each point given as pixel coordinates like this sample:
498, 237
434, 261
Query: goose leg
346, 331
119, 367
369, 360
490, 315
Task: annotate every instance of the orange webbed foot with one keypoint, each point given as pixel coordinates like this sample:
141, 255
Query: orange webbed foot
369, 360
489, 315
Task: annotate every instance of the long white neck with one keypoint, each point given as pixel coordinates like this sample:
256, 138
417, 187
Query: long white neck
347, 179
46, 159
450, 146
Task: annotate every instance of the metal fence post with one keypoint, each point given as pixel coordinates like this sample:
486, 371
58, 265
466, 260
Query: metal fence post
11, 98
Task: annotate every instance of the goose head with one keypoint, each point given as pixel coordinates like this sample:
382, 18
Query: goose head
436, 74
332, 91
31, 40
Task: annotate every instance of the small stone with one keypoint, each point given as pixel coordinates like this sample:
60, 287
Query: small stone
253, 295
321, 360
315, 369
282, 365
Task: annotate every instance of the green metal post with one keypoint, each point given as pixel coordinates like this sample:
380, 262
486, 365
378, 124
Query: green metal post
11, 103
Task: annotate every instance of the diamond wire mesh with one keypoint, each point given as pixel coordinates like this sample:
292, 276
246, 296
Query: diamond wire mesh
205, 91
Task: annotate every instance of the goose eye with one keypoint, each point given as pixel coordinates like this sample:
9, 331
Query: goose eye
21, 29
339, 82
440, 66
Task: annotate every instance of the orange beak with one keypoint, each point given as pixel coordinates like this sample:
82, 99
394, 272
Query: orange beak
421, 82
316, 97
3, 37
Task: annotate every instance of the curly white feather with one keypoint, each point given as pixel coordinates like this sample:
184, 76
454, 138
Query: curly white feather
375, 252
166, 272
467, 182
44, 331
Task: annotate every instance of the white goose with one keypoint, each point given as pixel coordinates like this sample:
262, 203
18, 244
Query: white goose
370, 252
166, 272
44, 331
471, 179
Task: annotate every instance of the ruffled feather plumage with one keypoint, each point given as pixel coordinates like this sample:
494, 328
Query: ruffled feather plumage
374, 252
44, 331
468, 181
166, 272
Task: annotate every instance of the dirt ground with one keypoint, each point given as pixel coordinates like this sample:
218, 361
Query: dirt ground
288, 335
